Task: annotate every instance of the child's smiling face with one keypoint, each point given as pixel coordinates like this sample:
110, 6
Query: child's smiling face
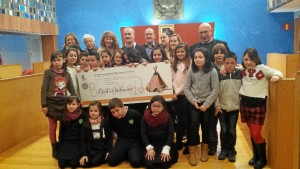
249, 64
72, 106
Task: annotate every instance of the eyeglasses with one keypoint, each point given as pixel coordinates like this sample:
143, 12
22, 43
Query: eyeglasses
156, 106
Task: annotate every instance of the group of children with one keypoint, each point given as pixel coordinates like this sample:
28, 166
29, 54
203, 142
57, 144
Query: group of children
202, 91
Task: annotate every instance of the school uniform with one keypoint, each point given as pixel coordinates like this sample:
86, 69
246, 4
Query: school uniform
128, 144
95, 142
158, 132
69, 142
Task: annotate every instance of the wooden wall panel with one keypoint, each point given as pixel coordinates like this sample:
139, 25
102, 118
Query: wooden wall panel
21, 115
280, 124
10, 71
40, 67
288, 64
296, 148
277, 61
49, 45
293, 64
23, 25
297, 35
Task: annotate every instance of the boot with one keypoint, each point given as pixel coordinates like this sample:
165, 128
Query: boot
255, 154
54, 150
204, 152
262, 158
193, 155
185, 150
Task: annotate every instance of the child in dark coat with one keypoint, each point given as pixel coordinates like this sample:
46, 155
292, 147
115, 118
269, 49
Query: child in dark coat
69, 134
126, 123
96, 137
157, 133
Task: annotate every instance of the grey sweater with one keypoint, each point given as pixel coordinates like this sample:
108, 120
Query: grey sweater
202, 86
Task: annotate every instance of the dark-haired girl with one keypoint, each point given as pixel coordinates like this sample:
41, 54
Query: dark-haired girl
157, 131
69, 134
72, 61
254, 93
179, 69
158, 54
57, 81
96, 137
201, 89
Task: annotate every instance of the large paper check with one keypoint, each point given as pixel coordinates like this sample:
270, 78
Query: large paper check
131, 84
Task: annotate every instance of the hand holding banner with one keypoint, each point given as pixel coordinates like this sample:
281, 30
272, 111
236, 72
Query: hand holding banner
131, 84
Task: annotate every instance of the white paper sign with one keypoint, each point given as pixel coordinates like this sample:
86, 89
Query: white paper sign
131, 84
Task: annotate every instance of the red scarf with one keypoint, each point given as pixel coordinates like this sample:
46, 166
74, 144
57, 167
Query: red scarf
72, 116
58, 71
156, 120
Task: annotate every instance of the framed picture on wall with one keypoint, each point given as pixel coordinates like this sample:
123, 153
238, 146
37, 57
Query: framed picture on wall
163, 28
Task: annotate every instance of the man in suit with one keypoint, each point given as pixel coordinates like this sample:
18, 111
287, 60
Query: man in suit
129, 36
207, 41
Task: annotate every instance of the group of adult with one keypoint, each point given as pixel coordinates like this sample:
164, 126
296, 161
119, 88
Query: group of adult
169, 40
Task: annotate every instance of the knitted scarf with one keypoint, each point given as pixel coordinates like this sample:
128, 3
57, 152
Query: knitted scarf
156, 120
72, 116
58, 71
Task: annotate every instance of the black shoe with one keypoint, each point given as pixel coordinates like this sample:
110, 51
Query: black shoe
231, 156
212, 152
54, 155
179, 146
54, 150
186, 150
222, 155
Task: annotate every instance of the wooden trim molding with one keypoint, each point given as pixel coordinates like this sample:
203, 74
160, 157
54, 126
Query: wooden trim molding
16, 24
297, 35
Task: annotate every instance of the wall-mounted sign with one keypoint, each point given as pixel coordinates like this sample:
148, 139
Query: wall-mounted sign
168, 9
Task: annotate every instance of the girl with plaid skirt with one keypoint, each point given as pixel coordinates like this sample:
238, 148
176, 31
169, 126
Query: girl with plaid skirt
254, 93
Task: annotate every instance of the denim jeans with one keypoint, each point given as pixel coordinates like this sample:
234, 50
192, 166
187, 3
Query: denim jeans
228, 121
198, 117
213, 134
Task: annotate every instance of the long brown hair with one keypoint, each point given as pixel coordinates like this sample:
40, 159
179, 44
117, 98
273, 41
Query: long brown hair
187, 61
115, 44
